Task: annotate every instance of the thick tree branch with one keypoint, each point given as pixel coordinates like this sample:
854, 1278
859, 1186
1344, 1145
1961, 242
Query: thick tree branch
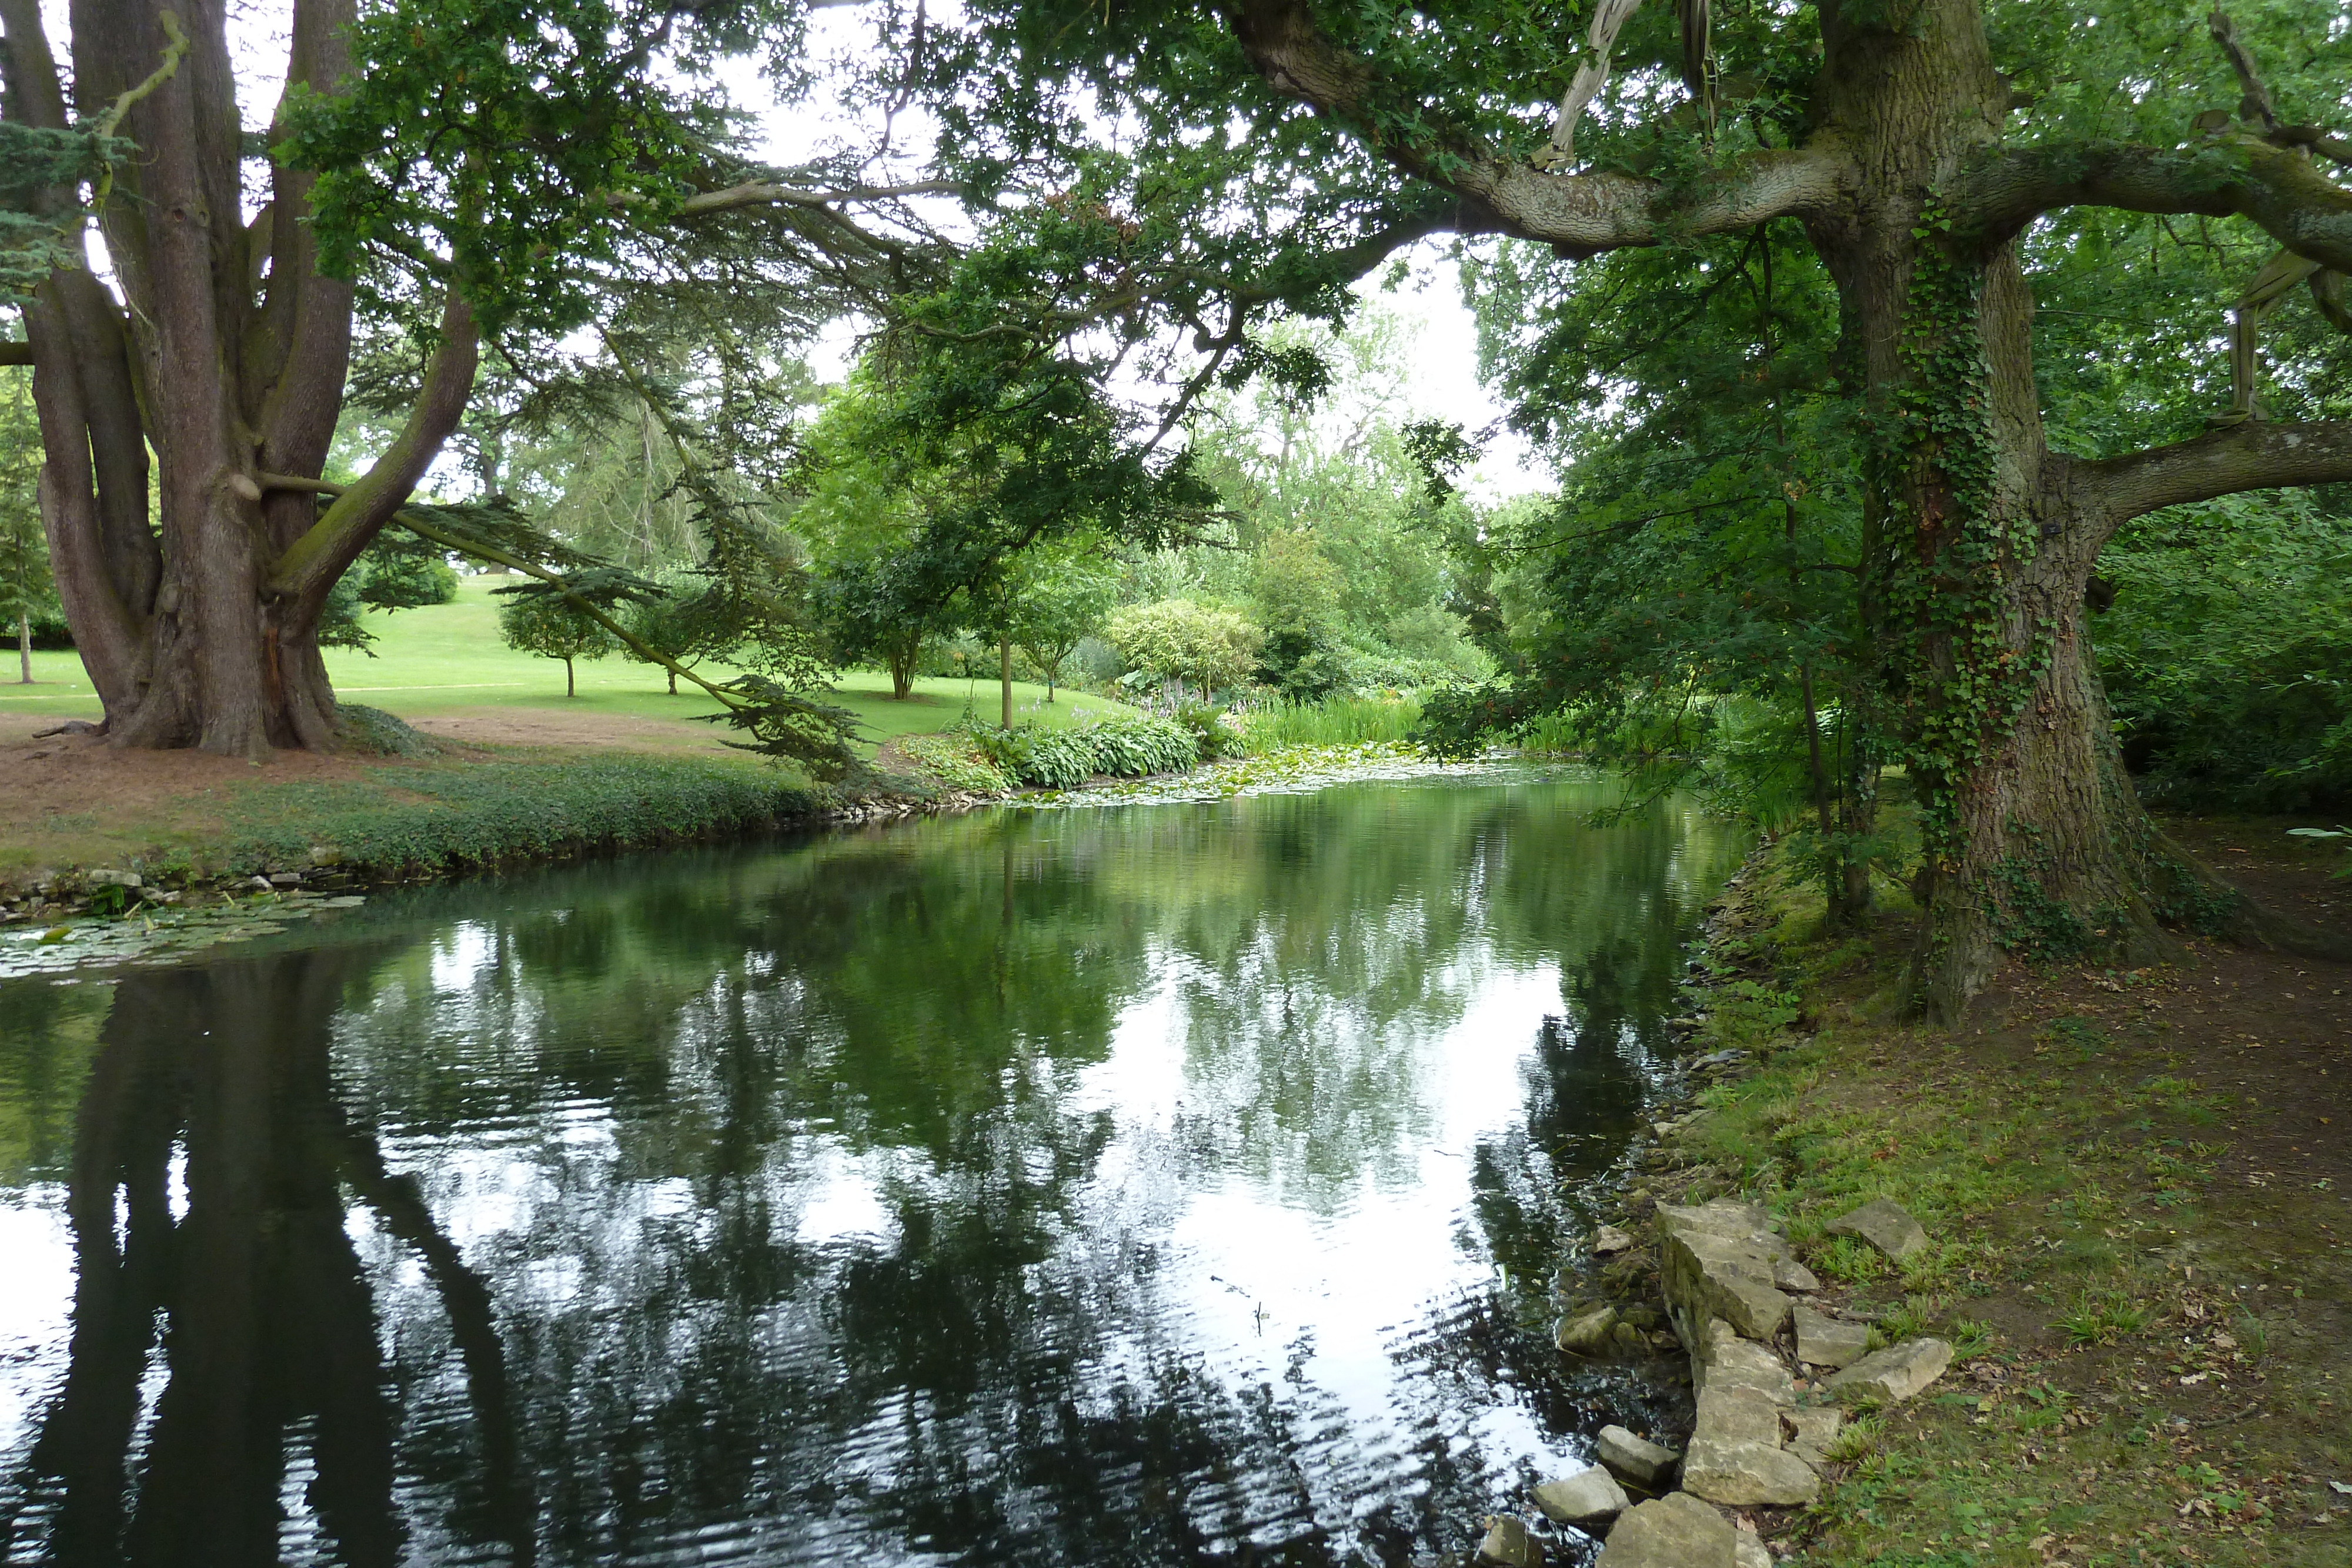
762, 194
2255, 455
299, 351
311, 565
2333, 148
423, 528
1579, 214
2238, 176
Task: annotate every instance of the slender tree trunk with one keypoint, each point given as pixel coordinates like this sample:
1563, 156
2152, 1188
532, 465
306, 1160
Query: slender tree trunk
1004, 674
25, 648
673, 683
902, 660
569, 689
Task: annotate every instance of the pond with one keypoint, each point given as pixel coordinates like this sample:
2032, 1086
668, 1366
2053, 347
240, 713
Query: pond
1158, 1183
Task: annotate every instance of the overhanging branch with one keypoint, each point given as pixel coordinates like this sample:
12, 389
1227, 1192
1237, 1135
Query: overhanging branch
2237, 176
760, 194
1579, 214
312, 563
2255, 455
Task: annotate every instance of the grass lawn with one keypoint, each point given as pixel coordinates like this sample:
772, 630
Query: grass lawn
444, 669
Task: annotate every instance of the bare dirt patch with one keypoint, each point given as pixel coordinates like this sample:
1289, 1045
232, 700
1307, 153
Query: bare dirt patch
74, 799
542, 727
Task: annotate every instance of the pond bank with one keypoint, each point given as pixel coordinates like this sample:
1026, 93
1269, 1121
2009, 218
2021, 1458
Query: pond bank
1169, 1158
2136, 1185
87, 819
207, 844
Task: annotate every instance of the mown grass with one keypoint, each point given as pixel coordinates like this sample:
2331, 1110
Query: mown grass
406, 820
2099, 1279
447, 659
426, 820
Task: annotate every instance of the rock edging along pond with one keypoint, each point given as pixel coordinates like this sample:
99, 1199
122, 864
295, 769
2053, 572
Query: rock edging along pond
1776, 1364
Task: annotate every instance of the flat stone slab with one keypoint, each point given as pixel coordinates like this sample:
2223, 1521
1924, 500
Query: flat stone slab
1677, 1530
1706, 1275
1746, 1475
1723, 1217
1732, 1417
1825, 1341
1792, 1275
1743, 1363
1585, 1497
1645, 1464
1749, 1552
1609, 1238
1815, 1429
1883, 1223
1894, 1373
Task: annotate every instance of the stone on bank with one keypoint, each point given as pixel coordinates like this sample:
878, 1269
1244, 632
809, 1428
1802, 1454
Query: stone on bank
1644, 1463
1677, 1530
1894, 1373
1825, 1341
1588, 1497
1883, 1223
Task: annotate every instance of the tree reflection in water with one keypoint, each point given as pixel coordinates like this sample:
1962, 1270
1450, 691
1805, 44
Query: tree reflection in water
208, 1209
1116, 1186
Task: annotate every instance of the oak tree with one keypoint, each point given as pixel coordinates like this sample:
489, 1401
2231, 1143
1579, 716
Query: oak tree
1916, 142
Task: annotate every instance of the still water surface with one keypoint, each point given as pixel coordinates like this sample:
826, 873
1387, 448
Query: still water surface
1154, 1184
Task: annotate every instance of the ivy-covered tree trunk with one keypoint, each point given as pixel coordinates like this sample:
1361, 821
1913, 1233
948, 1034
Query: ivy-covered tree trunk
2033, 839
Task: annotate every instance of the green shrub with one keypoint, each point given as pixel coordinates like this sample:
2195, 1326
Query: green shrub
956, 760
1066, 758
1177, 639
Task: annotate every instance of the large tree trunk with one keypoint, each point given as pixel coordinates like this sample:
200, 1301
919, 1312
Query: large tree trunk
1977, 541
2033, 840
225, 355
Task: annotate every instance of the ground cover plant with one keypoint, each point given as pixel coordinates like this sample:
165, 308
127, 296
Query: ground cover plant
2142, 1233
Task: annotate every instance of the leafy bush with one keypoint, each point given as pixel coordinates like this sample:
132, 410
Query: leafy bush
2226, 651
956, 760
1177, 639
1213, 730
1065, 758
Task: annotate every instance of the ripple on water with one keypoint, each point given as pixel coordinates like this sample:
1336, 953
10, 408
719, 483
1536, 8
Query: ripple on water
1033, 1188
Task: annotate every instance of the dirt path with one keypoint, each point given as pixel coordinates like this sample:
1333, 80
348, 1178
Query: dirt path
537, 726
